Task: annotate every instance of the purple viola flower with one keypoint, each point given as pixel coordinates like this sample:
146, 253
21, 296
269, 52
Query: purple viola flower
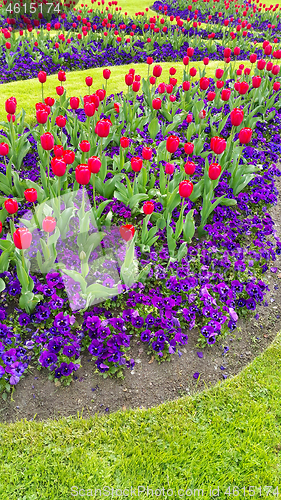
56, 302
96, 348
93, 323
71, 350
66, 369
137, 322
251, 304
102, 367
53, 279
160, 334
47, 358
158, 345
24, 319
42, 313
16, 369
14, 288
117, 323
61, 321
55, 344
2, 371
145, 336
2, 314
240, 266
10, 356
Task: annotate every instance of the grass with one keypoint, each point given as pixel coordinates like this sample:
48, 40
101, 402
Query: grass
75, 84
227, 436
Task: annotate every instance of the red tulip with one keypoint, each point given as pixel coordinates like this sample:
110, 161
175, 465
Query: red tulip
189, 118
41, 116
219, 84
152, 80
172, 143
189, 147
42, 76
236, 51
190, 51
124, 142
275, 69
148, 207
243, 88
261, 64
129, 79
58, 150
11, 105
61, 76
22, 238
1, 226
186, 86
146, 153
245, 135
68, 156
82, 174
225, 94
268, 50
236, 117
30, 195
211, 96
202, 114
185, 189
204, 83
60, 121
219, 73
206, 61
94, 164
169, 168
192, 71
106, 74
102, 128
74, 102
157, 70
49, 224
189, 168
89, 81
253, 58
4, 148
136, 86
276, 86
60, 90
214, 171
50, 101
218, 145
136, 163
85, 146
11, 206
89, 109
47, 141
58, 167
227, 52
127, 232
185, 60
149, 60
156, 103
256, 81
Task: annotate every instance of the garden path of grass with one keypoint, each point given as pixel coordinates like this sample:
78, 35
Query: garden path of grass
75, 84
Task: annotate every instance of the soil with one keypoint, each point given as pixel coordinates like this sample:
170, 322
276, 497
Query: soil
149, 383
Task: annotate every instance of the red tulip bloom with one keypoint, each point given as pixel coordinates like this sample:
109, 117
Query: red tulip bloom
169, 168
11, 105
102, 128
22, 238
30, 195
275, 69
211, 96
127, 232
148, 207
219, 73
11, 206
42, 116
185, 189
186, 86
89, 81
157, 70
189, 147
261, 64
136, 86
214, 171
185, 60
42, 76
129, 79
4, 148
225, 94
243, 88
172, 143
192, 72
189, 168
253, 58
106, 74
49, 224
60, 90
68, 156
204, 83
227, 53
60, 121
146, 153
156, 103
94, 164
82, 174
61, 76
89, 109
74, 102
50, 101
47, 141
190, 51
218, 145
256, 81
58, 150
85, 146
124, 142
189, 118
236, 117
245, 135
58, 167
136, 163
276, 86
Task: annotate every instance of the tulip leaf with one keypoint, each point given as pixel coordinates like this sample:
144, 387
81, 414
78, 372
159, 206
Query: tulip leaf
153, 128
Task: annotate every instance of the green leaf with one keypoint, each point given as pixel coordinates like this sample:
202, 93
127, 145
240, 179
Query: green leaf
2, 285
153, 128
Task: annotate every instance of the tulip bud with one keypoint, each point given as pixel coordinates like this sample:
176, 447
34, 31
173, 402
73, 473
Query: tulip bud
218, 145
185, 189
225, 94
256, 81
189, 168
156, 103
214, 171
47, 141
245, 135
4, 149
102, 128
146, 153
157, 70
236, 117
74, 102
30, 195
136, 163
11, 206
172, 143
148, 207
82, 174
189, 147
94, 164
58, 167
60, 121
106, 74
85, 146
89, 81
49, 224
169, 168
42, 76
10, 105
127, 232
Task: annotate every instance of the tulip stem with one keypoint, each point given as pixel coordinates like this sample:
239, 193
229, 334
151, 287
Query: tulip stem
35, 217
22, 258
94, 194
83, 200
101, 149
42, 93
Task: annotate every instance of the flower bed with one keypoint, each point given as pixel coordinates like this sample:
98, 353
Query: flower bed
188, 177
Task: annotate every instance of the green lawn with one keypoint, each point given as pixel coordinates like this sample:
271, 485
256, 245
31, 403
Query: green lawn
229, 435
75, 84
